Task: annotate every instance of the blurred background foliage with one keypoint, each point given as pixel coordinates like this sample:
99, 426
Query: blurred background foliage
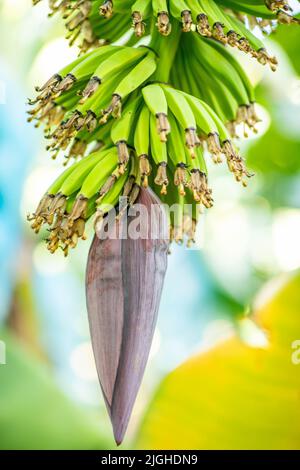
242, 396
236, 386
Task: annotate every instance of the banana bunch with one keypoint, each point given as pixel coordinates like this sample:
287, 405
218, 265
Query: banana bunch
75, 103
100, 22
161, 129
132, 116
92, 184
173, 129
217, 78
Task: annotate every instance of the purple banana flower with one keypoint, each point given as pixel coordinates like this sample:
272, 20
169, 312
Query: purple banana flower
124, 282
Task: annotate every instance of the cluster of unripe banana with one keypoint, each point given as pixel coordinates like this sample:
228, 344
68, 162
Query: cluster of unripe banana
147, 115
96, 22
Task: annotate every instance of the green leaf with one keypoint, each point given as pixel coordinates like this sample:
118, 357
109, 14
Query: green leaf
34, 413
234, 396
288, 38
269, 154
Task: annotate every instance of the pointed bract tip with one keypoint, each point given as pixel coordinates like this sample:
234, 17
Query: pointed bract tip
118, 441
119, 433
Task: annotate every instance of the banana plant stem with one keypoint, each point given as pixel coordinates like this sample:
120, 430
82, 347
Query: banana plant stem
166, 48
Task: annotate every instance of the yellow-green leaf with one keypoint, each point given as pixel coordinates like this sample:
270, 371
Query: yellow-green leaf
235, 396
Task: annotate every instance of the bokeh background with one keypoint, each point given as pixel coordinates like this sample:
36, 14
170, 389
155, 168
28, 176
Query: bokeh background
224, 370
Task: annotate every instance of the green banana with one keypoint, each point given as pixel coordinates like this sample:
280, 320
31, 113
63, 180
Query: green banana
142, 143
182, 110
159, 155
136, 77
161, 12
121, 130
155, 99
100, 172
140, 10
179, 9
142, 133
90, 61
110, 198
205, 123
56, 185
75, 179
119, 60
177, 154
